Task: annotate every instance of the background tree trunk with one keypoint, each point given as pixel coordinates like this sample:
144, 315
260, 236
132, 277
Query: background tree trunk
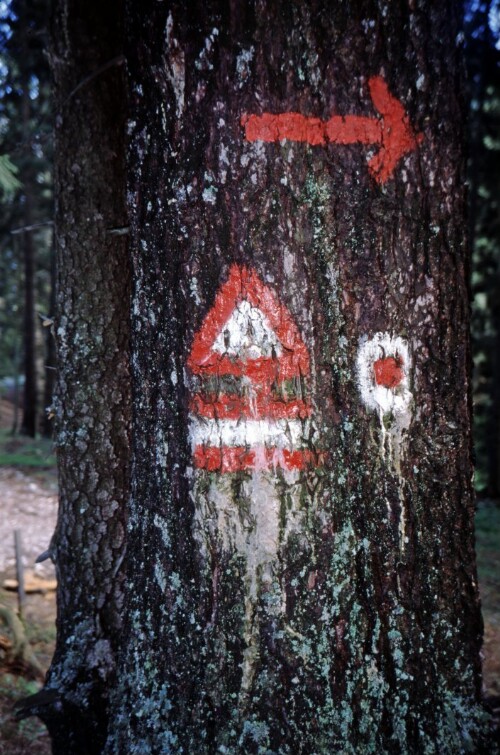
46, 423
30, 389
92, 402
315, 592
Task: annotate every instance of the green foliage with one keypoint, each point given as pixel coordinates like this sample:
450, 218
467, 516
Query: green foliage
8, 181
25, 452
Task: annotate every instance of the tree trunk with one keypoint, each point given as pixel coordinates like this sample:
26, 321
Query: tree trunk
50, 356
300, 573
30, 391
92, 402
312, 589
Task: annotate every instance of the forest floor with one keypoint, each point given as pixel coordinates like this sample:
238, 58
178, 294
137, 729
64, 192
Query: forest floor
28, 503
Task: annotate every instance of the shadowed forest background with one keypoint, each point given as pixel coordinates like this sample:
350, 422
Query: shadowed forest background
27, 357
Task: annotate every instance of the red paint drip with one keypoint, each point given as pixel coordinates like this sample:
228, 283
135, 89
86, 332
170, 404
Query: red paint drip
388, 371
238, 458
392, 130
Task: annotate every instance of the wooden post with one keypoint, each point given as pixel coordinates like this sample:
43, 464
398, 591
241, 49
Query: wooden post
21, 595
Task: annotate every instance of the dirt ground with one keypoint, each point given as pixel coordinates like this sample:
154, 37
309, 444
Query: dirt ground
28, 503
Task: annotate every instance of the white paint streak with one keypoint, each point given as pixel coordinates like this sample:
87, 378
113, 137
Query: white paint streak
250, 525
248, 516
393, 405
281, 433
247, 334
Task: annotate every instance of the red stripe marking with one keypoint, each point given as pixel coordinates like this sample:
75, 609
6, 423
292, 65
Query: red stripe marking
261, 370
339, 129
235, 407
238, 458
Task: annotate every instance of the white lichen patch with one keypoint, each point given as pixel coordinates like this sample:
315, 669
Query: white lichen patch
223, 163
203, 61
209, 194
194, 290
247, 334
421, 82
175, 66
243, 61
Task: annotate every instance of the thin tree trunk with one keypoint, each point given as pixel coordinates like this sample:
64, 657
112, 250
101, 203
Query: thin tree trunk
92, 401
50, 356
30, 397
17, 391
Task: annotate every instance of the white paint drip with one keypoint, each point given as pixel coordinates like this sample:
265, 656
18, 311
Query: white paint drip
247, 334
281, 433
251, 515
249, 525
393, 405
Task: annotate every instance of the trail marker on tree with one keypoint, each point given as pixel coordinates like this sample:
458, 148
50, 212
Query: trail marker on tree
250, 412
392, 130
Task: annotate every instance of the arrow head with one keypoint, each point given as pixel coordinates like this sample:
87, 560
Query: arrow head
397, 134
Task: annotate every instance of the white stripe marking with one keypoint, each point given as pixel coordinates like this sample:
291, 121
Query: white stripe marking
281, 433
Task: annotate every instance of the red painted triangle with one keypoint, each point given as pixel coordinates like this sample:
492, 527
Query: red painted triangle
243, 284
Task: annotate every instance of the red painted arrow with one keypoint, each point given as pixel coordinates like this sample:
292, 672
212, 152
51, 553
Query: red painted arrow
392, 130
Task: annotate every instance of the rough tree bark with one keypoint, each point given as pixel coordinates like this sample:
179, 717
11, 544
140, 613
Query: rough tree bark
335, 606
92, 402
46, 424
300, 573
